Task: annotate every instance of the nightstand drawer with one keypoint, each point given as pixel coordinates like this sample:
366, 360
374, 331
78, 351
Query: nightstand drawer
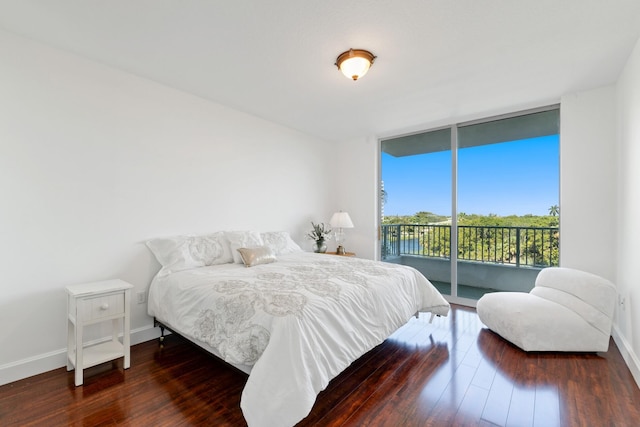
100, 307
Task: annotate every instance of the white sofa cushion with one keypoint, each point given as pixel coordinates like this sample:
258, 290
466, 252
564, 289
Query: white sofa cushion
537, 324
593, 290
567, 310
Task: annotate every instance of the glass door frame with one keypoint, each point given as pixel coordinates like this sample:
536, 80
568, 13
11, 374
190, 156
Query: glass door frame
453, 298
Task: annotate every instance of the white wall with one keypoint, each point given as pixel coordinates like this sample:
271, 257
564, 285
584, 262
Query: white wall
628, 249
599, 198
94, 161
355, 179
588, 179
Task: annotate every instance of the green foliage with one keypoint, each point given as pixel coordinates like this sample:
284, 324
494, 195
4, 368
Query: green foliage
520, 240
527, 220
418, 218
509, 221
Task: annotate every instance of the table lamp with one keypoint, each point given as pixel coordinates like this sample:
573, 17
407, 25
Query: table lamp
340, 221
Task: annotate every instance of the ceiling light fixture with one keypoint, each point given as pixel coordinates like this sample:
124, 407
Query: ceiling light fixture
355, 63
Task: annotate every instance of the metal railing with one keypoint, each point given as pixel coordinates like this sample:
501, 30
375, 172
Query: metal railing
519, 246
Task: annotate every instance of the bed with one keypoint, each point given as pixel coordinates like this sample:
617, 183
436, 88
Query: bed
290, 319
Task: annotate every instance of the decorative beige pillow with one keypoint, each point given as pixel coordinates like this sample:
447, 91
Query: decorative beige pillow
256, 256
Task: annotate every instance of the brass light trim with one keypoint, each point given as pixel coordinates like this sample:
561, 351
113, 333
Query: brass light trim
354, 63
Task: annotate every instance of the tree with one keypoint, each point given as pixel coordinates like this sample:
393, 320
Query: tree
554, 210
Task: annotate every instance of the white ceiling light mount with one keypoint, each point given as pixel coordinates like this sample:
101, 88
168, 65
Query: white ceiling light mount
354, 63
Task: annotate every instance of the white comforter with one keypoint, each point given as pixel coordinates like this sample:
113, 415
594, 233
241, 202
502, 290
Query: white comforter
299, 321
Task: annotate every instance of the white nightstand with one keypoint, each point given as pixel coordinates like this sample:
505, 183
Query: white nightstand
92, 303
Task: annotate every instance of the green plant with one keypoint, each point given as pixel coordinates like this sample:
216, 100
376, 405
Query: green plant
319, 232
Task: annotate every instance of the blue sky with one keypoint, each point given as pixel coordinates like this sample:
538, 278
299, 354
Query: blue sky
511, 178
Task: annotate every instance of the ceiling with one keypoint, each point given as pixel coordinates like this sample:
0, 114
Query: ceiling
437, 61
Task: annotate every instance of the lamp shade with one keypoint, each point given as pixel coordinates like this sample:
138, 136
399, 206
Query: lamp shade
355, 63
341, 220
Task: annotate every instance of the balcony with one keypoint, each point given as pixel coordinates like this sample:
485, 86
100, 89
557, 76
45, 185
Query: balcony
490, 258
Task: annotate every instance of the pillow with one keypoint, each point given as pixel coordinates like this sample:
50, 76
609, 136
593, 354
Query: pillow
172, 252
280, 242
184, 252
256, 256
211, 249
242, 239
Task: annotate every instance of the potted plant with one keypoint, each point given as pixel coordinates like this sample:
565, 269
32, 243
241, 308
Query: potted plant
319, 235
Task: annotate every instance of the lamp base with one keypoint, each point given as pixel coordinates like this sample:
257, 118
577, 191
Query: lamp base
340, 250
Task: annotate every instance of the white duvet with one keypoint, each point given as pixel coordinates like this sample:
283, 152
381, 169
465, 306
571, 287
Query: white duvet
298, 322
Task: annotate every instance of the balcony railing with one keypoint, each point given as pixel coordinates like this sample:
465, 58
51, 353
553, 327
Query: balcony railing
519, 246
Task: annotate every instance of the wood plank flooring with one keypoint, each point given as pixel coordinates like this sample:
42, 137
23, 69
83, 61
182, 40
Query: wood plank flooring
452, 372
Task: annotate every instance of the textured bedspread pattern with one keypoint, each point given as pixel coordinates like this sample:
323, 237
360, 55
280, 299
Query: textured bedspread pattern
298, 322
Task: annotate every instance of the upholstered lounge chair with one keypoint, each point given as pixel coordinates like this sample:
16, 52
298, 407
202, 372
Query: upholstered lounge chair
567, 310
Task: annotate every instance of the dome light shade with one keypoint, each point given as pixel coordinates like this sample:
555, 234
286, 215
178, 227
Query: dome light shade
355, 63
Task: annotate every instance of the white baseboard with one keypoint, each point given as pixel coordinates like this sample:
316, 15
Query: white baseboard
31, 366
144, 334
41, 363
630, 358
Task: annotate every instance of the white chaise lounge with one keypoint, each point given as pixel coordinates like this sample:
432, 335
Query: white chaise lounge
567, 310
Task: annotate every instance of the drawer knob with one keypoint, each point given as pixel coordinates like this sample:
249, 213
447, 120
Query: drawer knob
104, 306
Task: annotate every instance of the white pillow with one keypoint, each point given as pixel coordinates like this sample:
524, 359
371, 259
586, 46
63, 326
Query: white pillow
211, 249
172, 252
280, 242
184, 252
242, 239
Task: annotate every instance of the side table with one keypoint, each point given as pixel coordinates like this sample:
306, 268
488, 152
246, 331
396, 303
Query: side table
350, 254
91, 303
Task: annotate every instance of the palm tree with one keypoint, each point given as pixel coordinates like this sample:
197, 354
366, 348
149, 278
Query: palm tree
554, 210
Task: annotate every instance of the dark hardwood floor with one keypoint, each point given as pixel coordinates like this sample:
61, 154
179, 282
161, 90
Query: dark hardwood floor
450, 372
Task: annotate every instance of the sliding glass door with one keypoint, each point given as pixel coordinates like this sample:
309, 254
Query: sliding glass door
508, 193
416, 208
474, 206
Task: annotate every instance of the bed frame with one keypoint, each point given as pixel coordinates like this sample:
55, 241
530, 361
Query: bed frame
162, 326
212, 350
